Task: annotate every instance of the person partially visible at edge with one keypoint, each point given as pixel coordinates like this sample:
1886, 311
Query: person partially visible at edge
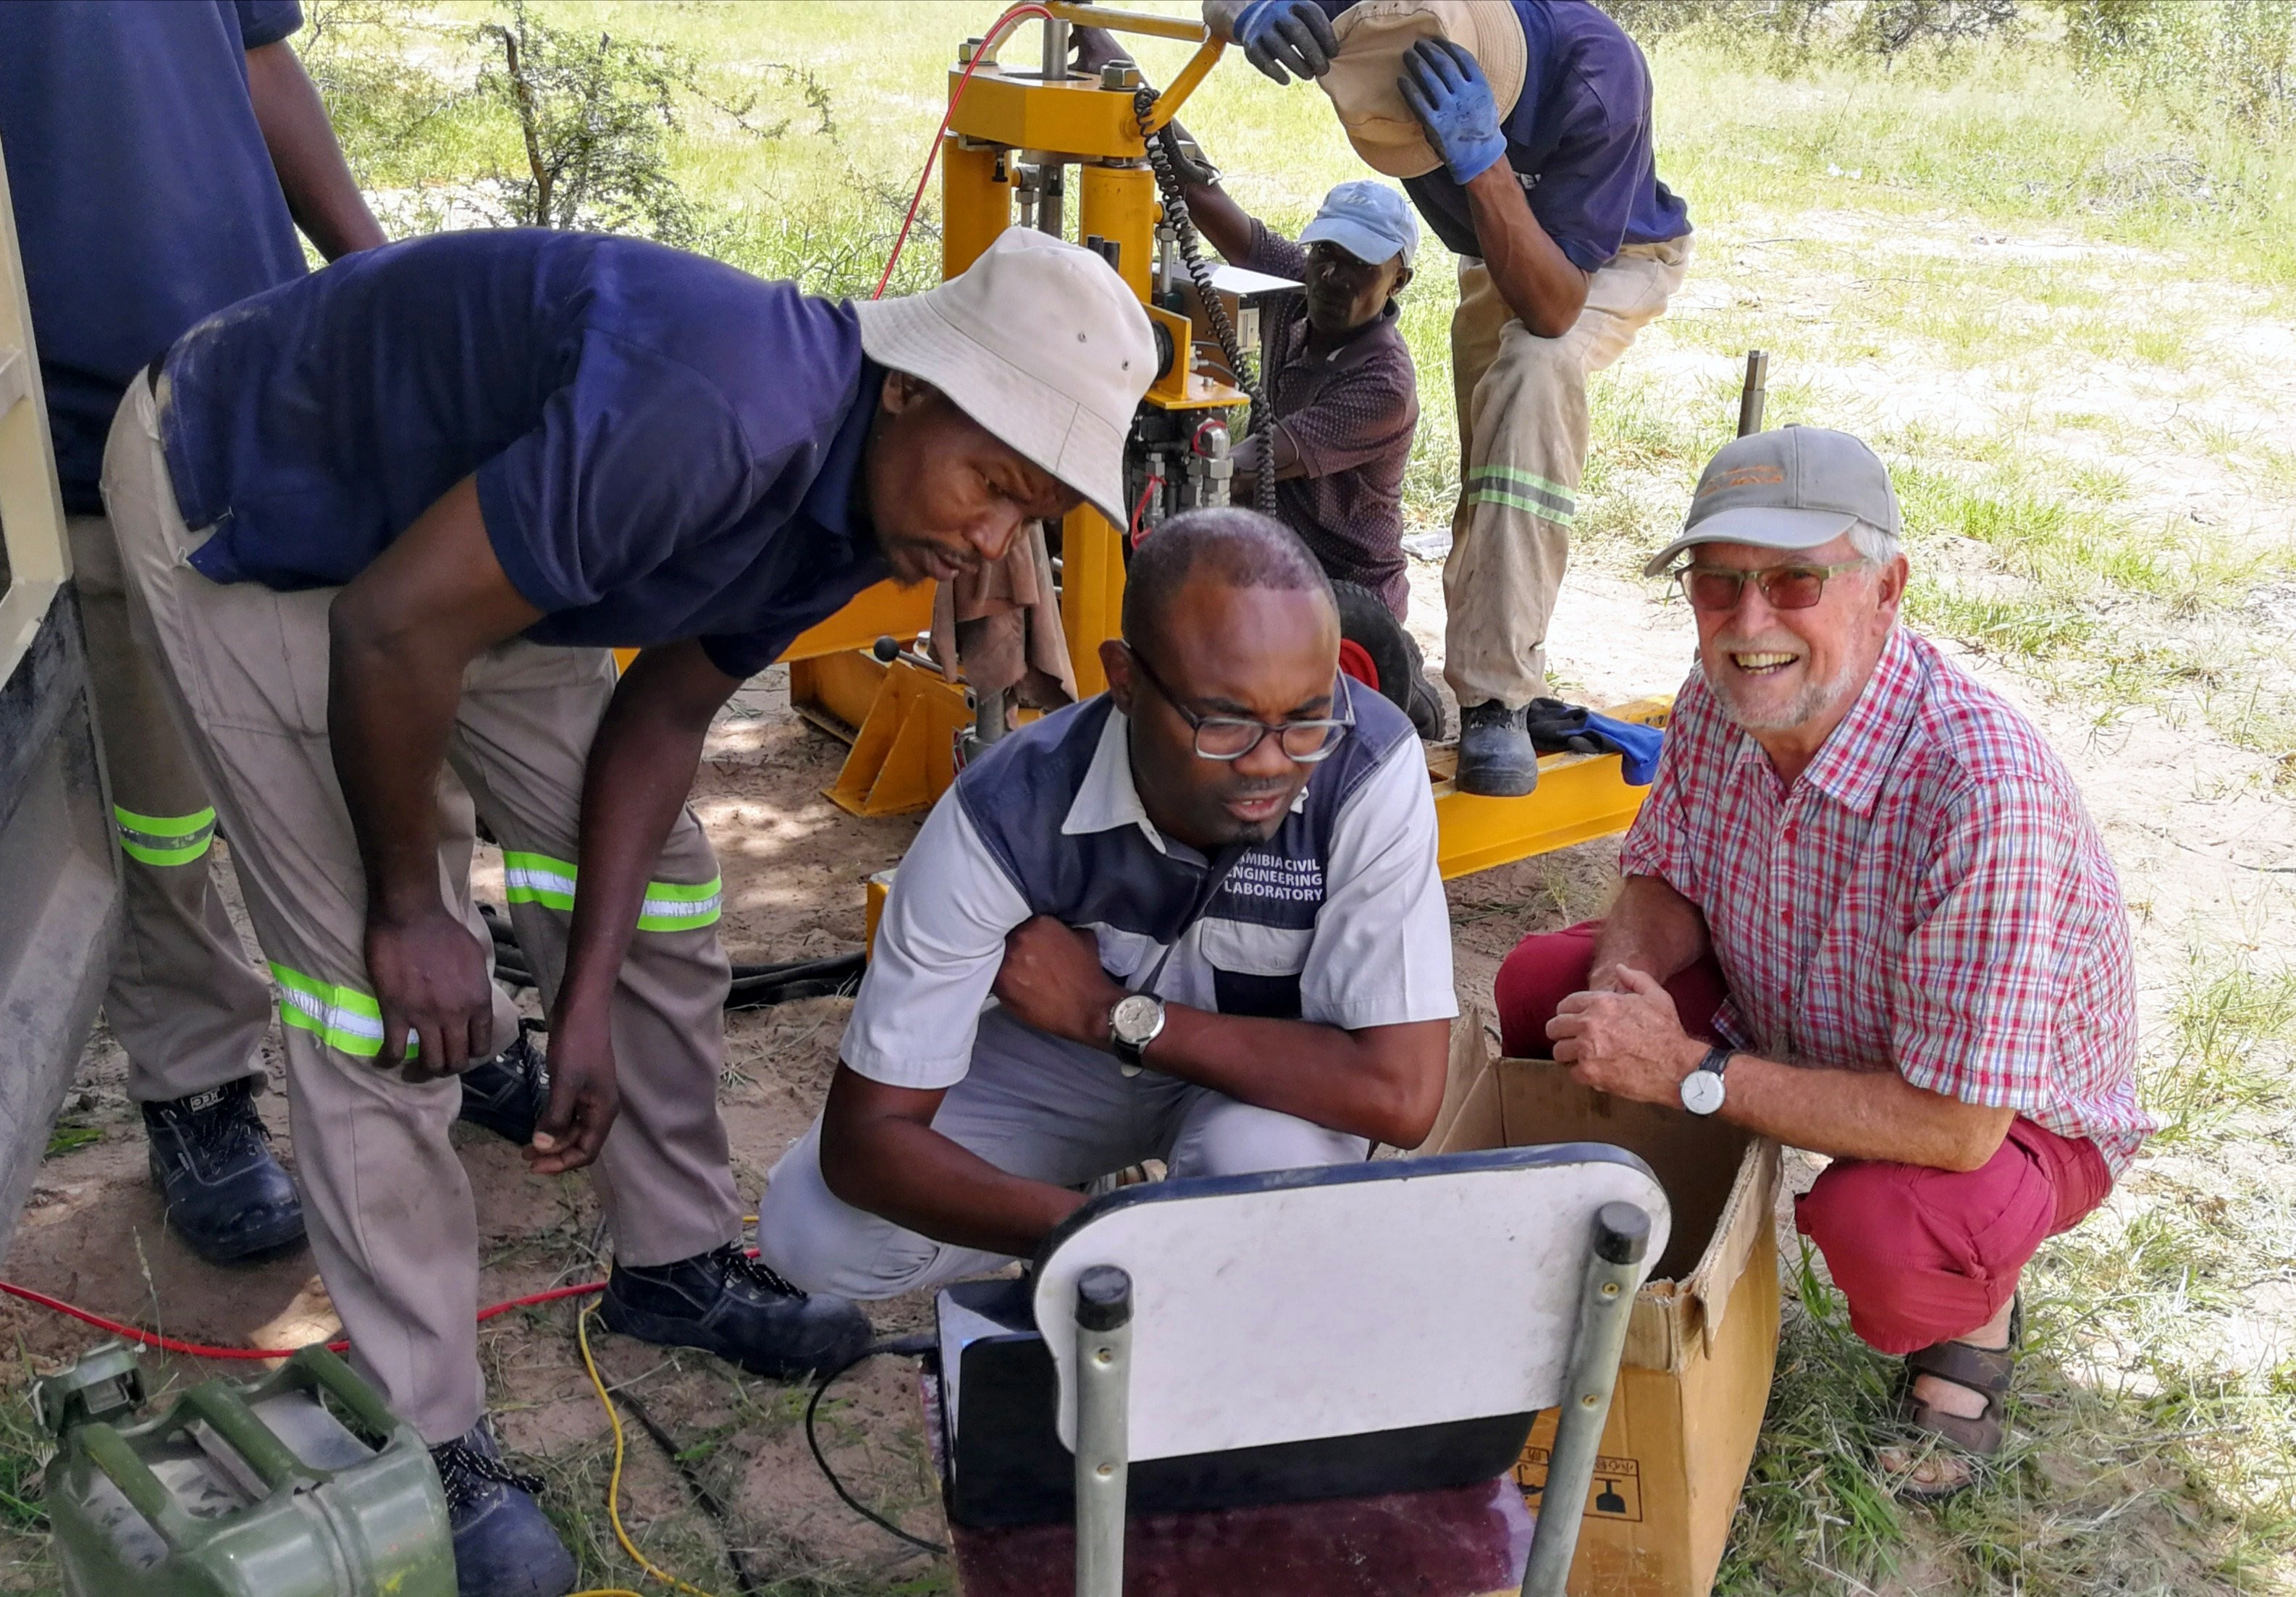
159, 159
389, 517
1522, 132
1864, 912
1206, 906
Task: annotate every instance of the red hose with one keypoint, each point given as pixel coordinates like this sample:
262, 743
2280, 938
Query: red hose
1155, 481
153, 1339
206, 1350
988, 42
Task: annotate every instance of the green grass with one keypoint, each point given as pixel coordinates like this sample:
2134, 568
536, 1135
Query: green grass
68, 1136
2152, 1447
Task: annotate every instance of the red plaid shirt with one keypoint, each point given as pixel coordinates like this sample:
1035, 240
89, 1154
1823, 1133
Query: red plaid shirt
1930, 896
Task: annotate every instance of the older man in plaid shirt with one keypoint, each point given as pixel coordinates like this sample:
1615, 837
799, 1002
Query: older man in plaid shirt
1864, 912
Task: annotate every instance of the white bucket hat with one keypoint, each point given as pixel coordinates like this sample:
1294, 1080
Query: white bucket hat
1362, 82
1041, 343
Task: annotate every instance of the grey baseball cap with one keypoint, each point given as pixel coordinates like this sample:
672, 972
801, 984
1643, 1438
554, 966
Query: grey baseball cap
1794, 487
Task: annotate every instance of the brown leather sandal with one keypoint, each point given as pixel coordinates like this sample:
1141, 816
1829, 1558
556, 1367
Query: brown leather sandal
1986, 1371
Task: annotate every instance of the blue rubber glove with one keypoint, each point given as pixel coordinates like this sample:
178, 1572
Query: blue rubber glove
1280, 34
1447, 92
1637, 745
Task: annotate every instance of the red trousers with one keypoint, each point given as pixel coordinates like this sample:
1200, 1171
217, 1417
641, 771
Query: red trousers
1922, 1255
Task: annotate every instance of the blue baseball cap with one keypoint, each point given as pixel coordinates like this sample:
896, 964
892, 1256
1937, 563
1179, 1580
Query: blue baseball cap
1369, 220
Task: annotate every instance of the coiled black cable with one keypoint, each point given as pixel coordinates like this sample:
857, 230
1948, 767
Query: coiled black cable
1161, 144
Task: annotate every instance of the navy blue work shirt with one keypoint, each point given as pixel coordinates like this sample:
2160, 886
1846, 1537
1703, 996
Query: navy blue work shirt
143, 193
666, 447
1578, 139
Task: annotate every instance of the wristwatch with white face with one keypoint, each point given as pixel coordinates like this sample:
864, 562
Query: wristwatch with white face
1132, 1025
1701, 1089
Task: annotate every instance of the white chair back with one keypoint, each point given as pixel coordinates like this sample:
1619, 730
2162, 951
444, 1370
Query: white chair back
1302, 1305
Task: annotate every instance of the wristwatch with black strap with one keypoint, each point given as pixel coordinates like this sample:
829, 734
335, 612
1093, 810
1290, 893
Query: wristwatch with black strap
1133, 1024
1701, 1090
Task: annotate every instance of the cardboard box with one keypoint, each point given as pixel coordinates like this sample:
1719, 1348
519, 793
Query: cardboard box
1704, 1336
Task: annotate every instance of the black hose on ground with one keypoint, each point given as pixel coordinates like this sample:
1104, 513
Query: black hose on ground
754, 986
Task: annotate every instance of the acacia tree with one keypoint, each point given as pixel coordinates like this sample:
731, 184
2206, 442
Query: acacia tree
595, 115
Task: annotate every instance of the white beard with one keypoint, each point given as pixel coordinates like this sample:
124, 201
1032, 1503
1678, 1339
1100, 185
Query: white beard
1816, 699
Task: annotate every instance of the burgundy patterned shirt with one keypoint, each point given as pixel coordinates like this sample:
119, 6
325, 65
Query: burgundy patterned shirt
1930, 896
1351, 413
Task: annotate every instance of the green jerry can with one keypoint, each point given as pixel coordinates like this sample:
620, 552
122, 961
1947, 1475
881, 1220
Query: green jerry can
301, 1484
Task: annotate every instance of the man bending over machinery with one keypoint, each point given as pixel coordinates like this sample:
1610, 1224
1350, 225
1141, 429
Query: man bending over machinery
1206, 906
387, 518
1522, 133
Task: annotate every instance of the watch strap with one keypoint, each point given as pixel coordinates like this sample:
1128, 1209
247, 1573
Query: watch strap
1717, 1059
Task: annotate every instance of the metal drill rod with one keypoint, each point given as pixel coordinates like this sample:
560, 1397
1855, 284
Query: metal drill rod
1103, 1365
989, 723
1614, 1255
1752, 396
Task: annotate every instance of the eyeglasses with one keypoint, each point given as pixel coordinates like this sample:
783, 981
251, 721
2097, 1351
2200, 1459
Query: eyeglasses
1231, 737
1784, 587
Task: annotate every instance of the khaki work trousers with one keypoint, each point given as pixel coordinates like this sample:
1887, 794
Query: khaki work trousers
1523, 431
187, 1007
184, 1001
386, 1201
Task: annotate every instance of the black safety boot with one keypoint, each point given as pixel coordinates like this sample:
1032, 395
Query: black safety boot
508, 1093
1496, 759
731, 1305
223, 1190
504, 1545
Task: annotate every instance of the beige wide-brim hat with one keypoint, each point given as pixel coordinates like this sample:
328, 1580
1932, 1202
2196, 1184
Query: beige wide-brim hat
1040, 342
1373, 37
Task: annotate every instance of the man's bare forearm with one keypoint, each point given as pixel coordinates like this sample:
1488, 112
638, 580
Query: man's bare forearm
900, 1167
1860, 1114
392, 692
1226, 226
639, 774
322, 195
1651, 928
1383, 1082
1544, 288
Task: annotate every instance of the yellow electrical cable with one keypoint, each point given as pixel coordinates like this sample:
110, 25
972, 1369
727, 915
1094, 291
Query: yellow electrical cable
614, 1482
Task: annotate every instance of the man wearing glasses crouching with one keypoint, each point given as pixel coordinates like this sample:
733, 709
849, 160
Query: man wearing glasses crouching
1194, 919
1864, 912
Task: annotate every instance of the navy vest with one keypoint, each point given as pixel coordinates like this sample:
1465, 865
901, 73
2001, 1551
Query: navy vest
1255, 931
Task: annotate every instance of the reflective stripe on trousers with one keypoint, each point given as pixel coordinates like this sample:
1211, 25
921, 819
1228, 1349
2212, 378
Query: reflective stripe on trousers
347, 1018
669, 906
164, 839
1523, 490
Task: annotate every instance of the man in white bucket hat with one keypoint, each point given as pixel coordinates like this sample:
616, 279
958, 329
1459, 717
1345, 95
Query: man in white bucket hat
390, 517
1522, 130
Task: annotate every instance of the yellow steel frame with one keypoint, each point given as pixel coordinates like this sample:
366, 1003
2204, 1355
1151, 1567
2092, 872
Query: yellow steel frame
902, 720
